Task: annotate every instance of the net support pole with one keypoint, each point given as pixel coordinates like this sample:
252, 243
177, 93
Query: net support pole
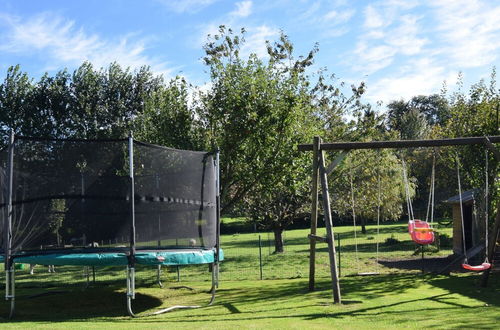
132, 198
131, 260
329, 230
9, 264
215, 268
314, 213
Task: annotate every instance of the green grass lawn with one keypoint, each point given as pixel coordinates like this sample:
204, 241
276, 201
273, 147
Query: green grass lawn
397, 298
389, 301
242, 252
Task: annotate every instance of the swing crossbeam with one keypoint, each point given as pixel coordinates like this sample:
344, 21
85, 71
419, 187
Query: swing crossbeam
402, 143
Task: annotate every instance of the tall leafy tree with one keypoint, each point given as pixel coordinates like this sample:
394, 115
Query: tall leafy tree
257, 112
169, 118
89, 103
365, 175
475, 113
412, 118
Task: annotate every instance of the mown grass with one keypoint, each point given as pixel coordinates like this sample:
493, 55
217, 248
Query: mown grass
397, 298
389, 301
242, 252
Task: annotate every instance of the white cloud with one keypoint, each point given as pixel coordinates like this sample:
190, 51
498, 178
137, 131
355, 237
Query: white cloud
186, 6
422, 76
468, 31
330, 19
405, 36
338, 17
62, 43
410, 53
256, 40
373, 18
388, 34
370, 59
311, 11
243, 9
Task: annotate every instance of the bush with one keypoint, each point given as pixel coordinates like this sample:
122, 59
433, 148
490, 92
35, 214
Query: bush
445, 241
391, 241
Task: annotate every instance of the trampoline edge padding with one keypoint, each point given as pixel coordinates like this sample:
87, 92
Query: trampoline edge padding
154, 257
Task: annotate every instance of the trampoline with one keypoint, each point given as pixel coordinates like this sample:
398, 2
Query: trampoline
115, 202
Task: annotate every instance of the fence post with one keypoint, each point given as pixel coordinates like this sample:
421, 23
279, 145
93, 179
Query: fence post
269, 243
338, 249
260, 256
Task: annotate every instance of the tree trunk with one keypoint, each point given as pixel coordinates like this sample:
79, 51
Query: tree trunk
363, 225
278, 240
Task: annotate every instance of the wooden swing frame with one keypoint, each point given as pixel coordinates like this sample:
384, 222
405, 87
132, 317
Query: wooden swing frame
320, 177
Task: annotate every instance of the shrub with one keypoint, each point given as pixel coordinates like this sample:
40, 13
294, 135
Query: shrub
391, 241
445, 241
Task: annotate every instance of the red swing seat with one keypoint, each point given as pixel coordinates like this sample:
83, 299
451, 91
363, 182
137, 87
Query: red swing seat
421, 232
479, 268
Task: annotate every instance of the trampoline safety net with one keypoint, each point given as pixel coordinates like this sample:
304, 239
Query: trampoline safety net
78, 193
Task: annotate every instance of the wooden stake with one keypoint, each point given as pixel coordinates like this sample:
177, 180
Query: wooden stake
314, 212
329, 230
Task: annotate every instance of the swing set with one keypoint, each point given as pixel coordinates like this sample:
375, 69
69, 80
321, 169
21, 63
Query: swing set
418, 229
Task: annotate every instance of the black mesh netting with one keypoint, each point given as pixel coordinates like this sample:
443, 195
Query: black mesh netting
77, 193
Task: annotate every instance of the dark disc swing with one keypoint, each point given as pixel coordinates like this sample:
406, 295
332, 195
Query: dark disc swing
486, 264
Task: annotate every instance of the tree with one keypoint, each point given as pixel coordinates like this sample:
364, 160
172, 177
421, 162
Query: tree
417, 114
475, 114
256, 112
169, 120
86, 104
355, 184
15, 103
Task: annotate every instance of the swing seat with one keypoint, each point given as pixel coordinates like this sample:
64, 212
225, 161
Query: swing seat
479, 268
421, 232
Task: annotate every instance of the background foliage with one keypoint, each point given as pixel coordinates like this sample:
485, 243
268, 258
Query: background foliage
256, 111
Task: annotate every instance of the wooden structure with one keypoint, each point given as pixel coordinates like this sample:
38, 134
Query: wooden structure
320, 176
473, 225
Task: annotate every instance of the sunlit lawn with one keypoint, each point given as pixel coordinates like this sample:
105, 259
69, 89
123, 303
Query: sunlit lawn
388, 301
396, 298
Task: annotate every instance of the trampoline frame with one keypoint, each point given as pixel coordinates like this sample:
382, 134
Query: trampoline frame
130, 268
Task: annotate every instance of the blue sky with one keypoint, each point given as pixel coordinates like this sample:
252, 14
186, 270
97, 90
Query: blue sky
400, 48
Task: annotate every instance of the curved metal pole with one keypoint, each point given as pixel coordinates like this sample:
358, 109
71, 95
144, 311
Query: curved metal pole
130, 289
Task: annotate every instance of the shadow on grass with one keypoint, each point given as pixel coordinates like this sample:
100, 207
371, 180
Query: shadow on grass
432, 264
469, 286
266, 302
60, 306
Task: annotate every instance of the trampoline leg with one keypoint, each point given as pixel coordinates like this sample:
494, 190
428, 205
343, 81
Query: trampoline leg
130, 289
10, 289
215, 282
86, 274
158, 278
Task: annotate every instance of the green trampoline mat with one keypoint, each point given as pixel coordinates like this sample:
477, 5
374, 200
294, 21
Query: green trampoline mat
150, 257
